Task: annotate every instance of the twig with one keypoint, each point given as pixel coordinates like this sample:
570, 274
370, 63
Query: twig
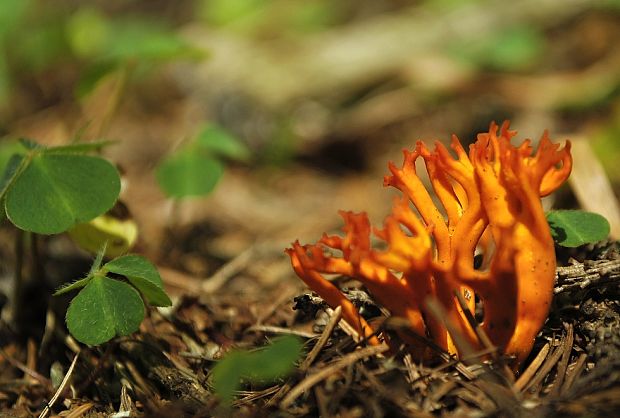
80, 411
346, 328
126, 404
475, 395
403, 325
145, 385
506, 400
281, 330
567, 347
549, 363
581, 276
527, 375
228, 270
327, 332
60, 389
25, 369
70, 342
435, 396
461, 365
384, 391
31, 355
317, 377
322, 401
482, 336
574, 373
98, 368
253, 396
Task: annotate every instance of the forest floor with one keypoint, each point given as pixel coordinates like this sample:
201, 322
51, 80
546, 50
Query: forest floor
322, 135
164, 370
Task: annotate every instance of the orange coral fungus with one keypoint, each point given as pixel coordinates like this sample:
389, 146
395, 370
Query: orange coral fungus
489, 198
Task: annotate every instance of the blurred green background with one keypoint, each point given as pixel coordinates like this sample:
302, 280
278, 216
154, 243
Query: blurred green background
336, 86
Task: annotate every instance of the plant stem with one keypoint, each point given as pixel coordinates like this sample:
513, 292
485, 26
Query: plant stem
113, 102
18, 283
37, 258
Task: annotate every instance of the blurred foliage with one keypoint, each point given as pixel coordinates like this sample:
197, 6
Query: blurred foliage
261, 366
196, 168
513, 49
7, 150
38, 36
448, 5
607, 145
67, 47
265, 16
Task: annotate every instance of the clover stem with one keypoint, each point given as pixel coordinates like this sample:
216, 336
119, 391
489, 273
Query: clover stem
17, 309
37, 261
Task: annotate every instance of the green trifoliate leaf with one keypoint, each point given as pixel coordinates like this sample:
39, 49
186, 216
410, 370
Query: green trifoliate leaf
56, 191
189, 173
143, 275
104, 309
572, 228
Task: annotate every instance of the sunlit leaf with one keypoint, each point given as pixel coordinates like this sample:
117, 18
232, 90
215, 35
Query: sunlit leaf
572, 228
120, 234
56, 191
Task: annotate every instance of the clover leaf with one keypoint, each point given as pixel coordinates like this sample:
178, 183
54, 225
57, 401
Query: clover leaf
105, 308
143, 275
262, 366
572, 228
195, 169
49, 190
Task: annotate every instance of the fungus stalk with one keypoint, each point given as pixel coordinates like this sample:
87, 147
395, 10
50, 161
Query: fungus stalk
488, 198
